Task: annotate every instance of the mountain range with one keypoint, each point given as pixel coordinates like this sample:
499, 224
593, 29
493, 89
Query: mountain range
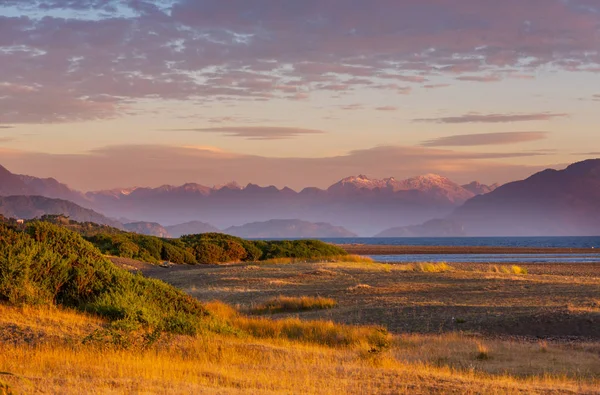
552, 202
359, 204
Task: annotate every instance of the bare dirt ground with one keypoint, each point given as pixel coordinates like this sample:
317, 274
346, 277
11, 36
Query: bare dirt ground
554, 301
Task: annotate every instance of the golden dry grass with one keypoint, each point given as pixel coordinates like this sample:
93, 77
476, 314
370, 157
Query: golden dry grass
424, 267
231, 365
290, 304
339, 258
514, 269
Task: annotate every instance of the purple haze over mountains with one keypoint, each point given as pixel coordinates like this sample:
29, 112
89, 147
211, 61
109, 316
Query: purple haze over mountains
551, 202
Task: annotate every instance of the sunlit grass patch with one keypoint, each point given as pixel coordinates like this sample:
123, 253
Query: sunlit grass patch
425, 267
514, 269
359, 287
324, 333
331, 259
483, 353
287, 304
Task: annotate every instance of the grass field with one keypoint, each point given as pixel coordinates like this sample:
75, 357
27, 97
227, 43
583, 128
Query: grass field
460, 329
553, 302
53, 359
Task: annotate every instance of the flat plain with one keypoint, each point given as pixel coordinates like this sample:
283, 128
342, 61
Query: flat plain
553, 301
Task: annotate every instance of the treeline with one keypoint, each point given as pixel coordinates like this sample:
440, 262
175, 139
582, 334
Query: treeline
206, 248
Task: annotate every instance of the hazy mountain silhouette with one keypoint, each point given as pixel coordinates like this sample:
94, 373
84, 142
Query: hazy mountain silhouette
147, 228
28, 207
12, 184
565, 202
477, 188
360, 204
190, 228
432, 228
291, 228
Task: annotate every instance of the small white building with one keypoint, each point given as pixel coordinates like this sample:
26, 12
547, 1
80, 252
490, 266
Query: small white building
20, 221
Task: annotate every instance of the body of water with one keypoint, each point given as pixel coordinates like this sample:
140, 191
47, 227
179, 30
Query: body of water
532, 242
490, 258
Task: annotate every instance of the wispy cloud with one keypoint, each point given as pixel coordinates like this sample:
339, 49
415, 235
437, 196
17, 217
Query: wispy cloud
256, 132
495, 118
90, 59
480, 78
486, 139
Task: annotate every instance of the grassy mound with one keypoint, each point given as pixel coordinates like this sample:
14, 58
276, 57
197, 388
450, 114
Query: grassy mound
47, 264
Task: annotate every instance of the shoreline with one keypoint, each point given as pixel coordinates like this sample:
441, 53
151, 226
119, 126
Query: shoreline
365, 249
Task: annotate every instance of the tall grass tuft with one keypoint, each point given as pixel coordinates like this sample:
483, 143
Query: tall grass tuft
514, 269
483, 353
286, 304
426, 267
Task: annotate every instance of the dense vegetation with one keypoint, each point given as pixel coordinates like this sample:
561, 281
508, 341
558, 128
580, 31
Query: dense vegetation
44, 263
208, 248
48, 264
205, 248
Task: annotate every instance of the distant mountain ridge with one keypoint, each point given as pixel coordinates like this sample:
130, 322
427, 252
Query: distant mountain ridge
549, 203
191, 228
147, 228
283, 228
359, 203
477, 188
29, 207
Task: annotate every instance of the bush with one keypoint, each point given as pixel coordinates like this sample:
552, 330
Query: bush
50, 264
207, 248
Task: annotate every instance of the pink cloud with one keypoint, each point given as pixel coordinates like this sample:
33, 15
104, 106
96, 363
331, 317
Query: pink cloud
250, 49
480, 78
495, 118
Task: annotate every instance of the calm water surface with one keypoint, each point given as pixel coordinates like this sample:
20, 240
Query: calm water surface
533, 242
490, 258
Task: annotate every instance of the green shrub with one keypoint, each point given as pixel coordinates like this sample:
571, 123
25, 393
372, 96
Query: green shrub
51, 264
207, 248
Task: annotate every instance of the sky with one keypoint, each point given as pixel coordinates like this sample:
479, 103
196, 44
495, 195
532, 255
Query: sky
104, 94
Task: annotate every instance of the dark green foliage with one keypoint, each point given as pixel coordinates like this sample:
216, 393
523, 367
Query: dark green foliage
303, 249
208, 248
144, 248
205, 248
50, 264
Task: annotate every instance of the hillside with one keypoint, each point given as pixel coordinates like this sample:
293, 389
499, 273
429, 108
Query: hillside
27, 207
11, 184
190, 228
71, 322
433, 228
292, 228
477, 188
549, 203
147, 228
